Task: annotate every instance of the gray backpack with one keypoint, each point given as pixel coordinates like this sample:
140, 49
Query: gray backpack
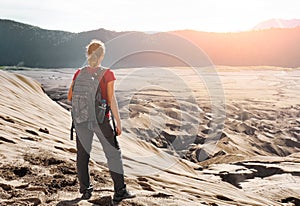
86, 97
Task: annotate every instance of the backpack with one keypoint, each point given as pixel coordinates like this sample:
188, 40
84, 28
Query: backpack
86, 96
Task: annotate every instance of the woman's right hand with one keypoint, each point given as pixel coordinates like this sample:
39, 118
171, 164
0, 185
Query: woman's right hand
119, 130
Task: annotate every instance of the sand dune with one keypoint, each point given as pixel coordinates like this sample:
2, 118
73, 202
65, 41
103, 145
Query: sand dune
254, 162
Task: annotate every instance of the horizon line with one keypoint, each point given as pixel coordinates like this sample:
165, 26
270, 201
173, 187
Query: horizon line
155, 32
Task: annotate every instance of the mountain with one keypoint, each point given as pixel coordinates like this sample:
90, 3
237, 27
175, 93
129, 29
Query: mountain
277, 23
31, 46
273, 47
26, 45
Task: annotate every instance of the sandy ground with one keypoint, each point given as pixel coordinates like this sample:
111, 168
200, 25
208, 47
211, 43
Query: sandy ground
229, 137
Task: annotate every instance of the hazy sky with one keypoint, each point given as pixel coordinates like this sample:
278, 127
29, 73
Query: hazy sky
150, 15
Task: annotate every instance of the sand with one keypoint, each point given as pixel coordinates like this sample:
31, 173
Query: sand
180, 146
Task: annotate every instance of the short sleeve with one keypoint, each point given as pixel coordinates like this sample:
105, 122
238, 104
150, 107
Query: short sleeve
109, 76
76, 74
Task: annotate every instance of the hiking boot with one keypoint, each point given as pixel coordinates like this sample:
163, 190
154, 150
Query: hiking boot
86, 195
123, 194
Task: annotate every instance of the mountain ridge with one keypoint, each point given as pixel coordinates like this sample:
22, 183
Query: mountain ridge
32, 46
277, 23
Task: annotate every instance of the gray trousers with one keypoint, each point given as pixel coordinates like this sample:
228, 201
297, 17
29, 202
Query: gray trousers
84, 139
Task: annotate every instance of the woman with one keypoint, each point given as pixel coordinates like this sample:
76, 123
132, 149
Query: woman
104, 131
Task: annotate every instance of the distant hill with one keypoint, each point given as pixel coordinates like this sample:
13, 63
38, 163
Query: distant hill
277, 23
273, 47
31, 46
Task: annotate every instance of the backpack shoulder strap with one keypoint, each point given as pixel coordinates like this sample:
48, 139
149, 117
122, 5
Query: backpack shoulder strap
82, 69
101, 73
100, 76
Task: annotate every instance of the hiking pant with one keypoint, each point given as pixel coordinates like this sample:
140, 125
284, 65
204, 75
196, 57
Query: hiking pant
110, 145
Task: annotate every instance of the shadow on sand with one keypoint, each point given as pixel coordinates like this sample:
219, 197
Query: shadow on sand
103, 201
69, 202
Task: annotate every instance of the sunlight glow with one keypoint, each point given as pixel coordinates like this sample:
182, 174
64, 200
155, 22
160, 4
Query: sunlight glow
155, 15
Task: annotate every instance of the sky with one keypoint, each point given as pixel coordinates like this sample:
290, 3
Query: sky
148, 15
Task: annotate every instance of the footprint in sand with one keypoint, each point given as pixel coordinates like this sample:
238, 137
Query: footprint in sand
221, 197
71, 150
45, 130
30, 139
31, 132
24, 201
21, 171
143, 183
3, 139
5, 187
161, 195
105, 200
7, 119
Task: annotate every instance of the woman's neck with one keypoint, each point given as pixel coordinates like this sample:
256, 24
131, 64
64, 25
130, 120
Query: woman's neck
94, 67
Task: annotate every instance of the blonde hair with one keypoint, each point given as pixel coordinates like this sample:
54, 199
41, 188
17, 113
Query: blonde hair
95, 52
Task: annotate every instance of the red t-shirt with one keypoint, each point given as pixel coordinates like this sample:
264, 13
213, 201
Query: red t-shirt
107, 77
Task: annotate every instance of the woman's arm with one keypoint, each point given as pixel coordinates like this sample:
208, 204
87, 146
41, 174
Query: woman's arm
70, 92
112, 101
